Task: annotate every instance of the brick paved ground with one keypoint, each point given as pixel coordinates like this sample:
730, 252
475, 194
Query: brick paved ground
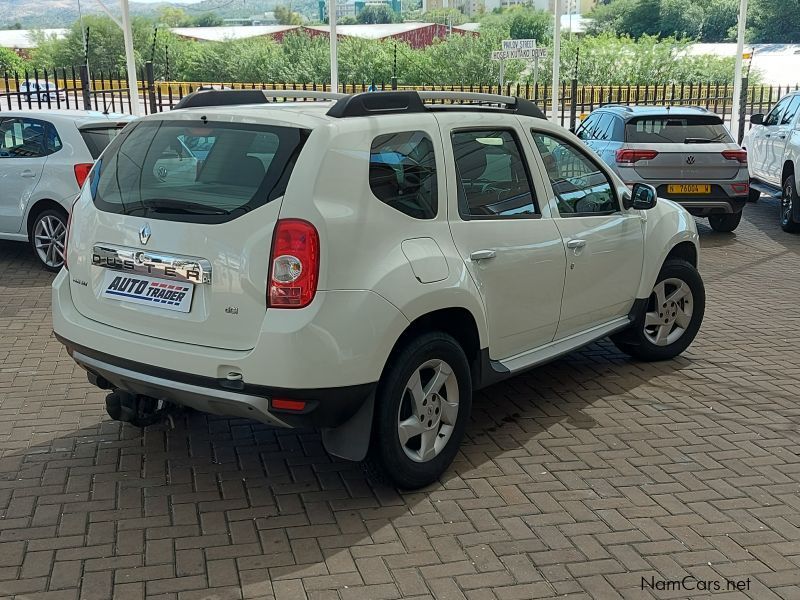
576, 480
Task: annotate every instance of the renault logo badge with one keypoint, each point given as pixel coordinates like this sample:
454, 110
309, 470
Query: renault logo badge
144, 234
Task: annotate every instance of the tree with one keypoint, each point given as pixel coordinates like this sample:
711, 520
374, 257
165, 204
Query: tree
444, 16
376, 14
680, 18
775, 21
172, 16
207, 20
9, 61
534, 24
285, 16
721, 17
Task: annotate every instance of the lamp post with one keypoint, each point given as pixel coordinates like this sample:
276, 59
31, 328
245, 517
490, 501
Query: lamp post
737, 76
130, 58
334, 43
556, 58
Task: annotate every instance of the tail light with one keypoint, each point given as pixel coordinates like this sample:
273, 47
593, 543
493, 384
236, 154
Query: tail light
82, 172
294, 264
69, 227
630, 157
739, 155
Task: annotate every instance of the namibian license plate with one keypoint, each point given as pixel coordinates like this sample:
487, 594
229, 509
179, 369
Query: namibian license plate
149, 291
689, 188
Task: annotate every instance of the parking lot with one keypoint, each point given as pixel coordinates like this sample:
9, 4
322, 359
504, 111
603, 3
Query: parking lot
592, 477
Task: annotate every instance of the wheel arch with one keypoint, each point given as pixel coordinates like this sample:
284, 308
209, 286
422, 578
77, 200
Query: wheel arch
456, 321
37, 208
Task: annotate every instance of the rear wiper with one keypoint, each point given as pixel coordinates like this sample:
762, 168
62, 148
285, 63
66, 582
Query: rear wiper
180, 207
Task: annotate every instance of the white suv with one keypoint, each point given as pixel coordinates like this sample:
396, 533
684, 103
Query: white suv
360, 266
773, 146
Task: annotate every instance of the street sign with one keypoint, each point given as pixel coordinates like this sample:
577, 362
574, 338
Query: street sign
518, 44
526, 54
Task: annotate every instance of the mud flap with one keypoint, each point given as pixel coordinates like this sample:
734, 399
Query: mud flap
350, 440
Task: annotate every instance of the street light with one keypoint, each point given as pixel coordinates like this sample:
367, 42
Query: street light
556, 58
737, 76
130, 58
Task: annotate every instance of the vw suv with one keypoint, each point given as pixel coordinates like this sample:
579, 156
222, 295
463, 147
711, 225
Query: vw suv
685, 152
360, 265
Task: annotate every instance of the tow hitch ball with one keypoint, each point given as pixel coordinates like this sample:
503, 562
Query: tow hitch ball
137, 410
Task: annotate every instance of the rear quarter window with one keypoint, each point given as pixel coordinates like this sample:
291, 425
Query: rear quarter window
402, 173
677, 129
190, 171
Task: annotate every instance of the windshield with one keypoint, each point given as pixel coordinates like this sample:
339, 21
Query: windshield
195, 171
677, 129
97, 138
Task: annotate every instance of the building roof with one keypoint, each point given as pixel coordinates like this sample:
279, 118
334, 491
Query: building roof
21, 39
220, 34
372, 32
777, 64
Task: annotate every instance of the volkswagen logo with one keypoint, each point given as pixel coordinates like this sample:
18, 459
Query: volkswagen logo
690, 160
144, 234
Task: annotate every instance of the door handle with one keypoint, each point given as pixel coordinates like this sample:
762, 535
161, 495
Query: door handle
482, 255
575, 244
781, 137
28, 173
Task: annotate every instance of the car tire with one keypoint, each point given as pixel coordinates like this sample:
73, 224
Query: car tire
789, 202
679, 299
417, 435
725, 223
48, 238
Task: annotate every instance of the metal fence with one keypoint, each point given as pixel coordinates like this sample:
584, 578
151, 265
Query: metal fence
76, 87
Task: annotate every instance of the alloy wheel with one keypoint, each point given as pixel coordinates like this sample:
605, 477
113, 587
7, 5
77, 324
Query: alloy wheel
428, 410
49, 236
670, 312
786, 203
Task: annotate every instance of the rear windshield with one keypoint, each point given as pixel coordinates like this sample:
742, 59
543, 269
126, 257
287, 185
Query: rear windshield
97, 138
678, 129
207, 172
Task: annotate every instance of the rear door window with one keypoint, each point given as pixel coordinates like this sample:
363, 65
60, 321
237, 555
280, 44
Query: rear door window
493, 176
199, 172
677, 129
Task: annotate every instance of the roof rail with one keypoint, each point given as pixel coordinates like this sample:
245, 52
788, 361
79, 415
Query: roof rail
394, 102
255, 96
615, 105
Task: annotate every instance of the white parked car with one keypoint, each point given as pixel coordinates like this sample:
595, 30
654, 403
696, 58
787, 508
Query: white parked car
361, 266
38, 90
44, 157
773, 148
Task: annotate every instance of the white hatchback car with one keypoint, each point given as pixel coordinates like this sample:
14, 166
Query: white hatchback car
44, 158
361, 266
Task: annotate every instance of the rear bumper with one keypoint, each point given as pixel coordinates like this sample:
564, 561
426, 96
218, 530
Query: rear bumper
712, 206
325, 408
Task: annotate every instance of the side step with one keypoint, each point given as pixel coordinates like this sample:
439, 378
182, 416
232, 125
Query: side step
765, 188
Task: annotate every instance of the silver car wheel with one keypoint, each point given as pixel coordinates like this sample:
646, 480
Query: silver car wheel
786, 204
49, 235
428, 410
672, 307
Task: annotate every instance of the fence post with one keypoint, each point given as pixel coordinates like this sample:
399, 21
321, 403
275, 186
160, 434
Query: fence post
742, 100
86, 88
573, 104
151, 86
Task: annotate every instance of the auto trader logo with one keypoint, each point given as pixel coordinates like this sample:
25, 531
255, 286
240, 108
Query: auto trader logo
151, 291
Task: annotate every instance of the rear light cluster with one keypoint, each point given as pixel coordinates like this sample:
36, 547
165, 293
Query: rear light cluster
294, 264
82, 172
738, 155
630, 157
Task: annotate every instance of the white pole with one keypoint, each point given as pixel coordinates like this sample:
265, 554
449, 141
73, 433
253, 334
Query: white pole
556, 58
737, 76
334, 44
130, 58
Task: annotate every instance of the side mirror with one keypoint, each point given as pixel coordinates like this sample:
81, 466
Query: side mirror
644, 196
757, 119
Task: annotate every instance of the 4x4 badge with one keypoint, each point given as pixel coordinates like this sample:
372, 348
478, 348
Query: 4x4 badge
144, 234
